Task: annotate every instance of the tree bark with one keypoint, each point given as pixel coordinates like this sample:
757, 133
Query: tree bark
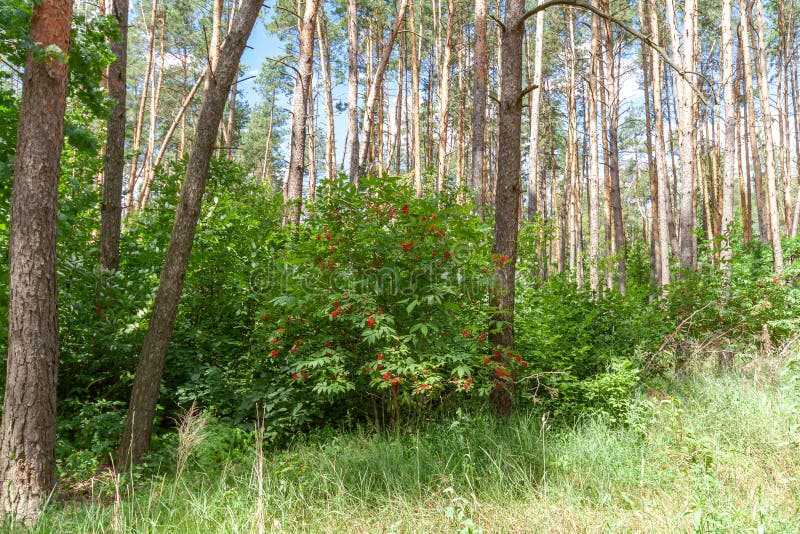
416, 129
302, 90
141, 412
534, 200
750, 124
508, 190
114, 164
766, 117
481, 73
664, 203
729, 99
685, 51
594, 159
444, 97
27, 444
352, 87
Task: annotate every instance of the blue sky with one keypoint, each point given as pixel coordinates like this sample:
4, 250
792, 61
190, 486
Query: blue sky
264, 45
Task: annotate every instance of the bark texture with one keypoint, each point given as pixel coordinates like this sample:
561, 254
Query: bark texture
114, 165
508, 190
302, 90
139, 419
27, 445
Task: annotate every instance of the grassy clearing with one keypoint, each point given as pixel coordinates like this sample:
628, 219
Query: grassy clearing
709, 452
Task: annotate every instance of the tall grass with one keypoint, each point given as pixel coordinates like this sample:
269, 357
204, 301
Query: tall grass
710, 452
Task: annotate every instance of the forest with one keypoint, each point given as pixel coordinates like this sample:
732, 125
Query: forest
400, 266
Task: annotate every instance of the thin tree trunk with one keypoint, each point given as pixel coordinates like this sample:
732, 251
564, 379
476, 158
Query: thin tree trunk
266, 166
325, 61
535, 106
377, 82
302, 90
141, 412
664, 208
481, 73
416, 130
133, 176
352, 87
729, 98
179, 118
686, 53
114, 164
444, 96
750, 124
28, 438
615, 195
766, 116
647, 68
157, 80
232, 103
594, 159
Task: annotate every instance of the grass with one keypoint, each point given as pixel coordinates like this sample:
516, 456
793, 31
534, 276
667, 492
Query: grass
709, 453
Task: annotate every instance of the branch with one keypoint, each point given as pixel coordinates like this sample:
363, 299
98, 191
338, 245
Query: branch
499, 22
606, 16
527, 90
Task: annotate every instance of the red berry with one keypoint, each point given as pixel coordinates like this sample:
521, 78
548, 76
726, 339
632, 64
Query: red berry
371, 322
380, 356
274, 353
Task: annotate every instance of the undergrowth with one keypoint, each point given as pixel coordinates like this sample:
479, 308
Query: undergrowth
707, 451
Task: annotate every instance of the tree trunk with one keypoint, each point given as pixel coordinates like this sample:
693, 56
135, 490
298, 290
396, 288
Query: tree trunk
139, 419
444, 96
664, 207
750, 124
377, 82
534, 202
352, 87
27, 445
594, 159
731, 105
156, 80
133, 176
685, 52
481, 73
647, 68
416, 129
302, 90
114, 164
766, 116
615, 195
507, 191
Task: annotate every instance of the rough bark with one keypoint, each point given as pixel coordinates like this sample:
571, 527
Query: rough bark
139, 419
114, 164
508, 189
416, 127
27, 444
302, 90
481, 74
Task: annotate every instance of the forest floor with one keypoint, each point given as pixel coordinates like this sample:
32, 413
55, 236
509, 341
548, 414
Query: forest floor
707, 451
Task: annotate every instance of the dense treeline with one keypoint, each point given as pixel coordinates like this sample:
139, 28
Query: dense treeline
530, 206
